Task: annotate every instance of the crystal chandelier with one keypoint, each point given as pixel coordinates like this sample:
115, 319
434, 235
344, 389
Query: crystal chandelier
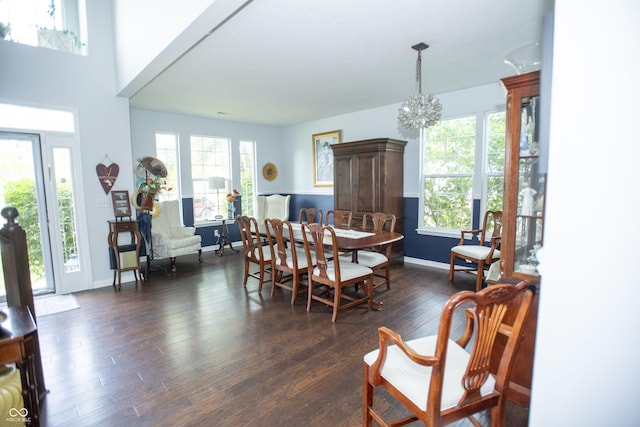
420, 110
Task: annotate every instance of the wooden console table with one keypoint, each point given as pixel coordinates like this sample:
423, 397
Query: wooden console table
18, 341
122, 262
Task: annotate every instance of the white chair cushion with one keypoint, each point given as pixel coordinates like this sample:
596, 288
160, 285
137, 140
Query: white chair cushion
266, 253
348, 270
475, 251
302, 258
371, 259
412, 379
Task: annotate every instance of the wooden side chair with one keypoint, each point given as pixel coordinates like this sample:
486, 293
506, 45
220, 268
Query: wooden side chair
379, 257
338, 218
435, 378
480, 254
255, 252
310, 215
289, 262
336, 274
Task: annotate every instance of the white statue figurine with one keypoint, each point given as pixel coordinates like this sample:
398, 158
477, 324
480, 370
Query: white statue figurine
527, 194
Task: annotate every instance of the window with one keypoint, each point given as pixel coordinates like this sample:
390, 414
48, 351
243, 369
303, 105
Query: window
494, 184
54, 24
248, 176
210, 158
449, 153
167, 152
452, 178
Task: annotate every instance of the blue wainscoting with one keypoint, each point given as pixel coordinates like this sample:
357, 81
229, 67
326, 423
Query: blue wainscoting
429, 248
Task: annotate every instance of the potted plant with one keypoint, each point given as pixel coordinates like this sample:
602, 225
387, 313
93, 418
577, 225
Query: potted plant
5, 30
65, 40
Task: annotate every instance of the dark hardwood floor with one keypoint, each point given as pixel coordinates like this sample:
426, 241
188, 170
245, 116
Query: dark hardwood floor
199, 349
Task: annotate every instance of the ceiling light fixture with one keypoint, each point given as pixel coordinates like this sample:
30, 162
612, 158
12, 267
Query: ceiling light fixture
420, 110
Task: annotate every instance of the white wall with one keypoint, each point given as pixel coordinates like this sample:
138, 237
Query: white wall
48, 78
586, 365
145, 123
170, 29
382, 122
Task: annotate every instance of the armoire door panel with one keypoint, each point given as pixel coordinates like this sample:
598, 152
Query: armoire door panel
366, 198
343, 175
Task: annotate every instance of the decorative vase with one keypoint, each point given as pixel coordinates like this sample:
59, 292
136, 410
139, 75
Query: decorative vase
231, 210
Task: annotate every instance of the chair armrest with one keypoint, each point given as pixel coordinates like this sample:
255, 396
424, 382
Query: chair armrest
464, 232
183, 231
388, 336
468, 330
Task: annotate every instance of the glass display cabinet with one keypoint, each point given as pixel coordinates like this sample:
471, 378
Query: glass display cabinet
522, 215
523, 211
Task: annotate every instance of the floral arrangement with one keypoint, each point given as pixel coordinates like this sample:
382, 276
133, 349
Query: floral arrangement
154, 185
231, 197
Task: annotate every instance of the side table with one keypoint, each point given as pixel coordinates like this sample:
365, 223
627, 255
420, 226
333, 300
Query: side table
223, 240
127, 257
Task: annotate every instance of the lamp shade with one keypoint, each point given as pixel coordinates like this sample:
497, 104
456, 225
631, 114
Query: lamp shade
217, 183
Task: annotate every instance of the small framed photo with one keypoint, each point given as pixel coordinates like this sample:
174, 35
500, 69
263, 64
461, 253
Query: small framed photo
121, 205
323, 157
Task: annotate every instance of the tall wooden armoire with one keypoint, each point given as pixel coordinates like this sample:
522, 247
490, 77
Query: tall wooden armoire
368, 177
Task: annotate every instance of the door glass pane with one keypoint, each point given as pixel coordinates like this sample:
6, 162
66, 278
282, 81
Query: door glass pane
18, 189
66, 209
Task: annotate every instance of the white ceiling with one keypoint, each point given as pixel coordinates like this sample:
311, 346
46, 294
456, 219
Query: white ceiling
282, 62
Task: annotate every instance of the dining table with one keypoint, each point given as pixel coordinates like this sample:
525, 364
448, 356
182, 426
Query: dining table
348, 240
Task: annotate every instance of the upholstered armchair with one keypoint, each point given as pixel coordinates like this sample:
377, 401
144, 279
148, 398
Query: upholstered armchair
275, 206
169, 238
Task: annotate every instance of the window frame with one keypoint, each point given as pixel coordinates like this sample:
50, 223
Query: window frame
479, 176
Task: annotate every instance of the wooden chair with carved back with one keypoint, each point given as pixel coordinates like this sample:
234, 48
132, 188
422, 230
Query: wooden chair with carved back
379, 257
338, 218
255, 252
335, 274
479, 253
435, 377
310, 215
289, 261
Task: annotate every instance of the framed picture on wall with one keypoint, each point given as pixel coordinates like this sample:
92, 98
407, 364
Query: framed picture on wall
323, 157
121, 205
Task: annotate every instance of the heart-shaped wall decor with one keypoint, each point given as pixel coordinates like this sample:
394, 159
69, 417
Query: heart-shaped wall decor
107, 175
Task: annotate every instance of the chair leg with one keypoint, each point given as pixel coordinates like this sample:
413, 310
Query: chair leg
367, 398
497, 414
274, 278
261, 278
480, 277
246, 271
452, 264
336, 303
200, 256
387, 273
294, 287
173, 263
309, 293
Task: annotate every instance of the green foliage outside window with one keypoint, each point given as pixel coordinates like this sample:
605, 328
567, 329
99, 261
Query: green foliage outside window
448, 173
21, 194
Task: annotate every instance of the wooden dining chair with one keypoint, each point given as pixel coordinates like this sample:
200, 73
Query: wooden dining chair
288, 261
435, 378
310, 215
255, 252
379, 257
335, 274
479, 253
338, 218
